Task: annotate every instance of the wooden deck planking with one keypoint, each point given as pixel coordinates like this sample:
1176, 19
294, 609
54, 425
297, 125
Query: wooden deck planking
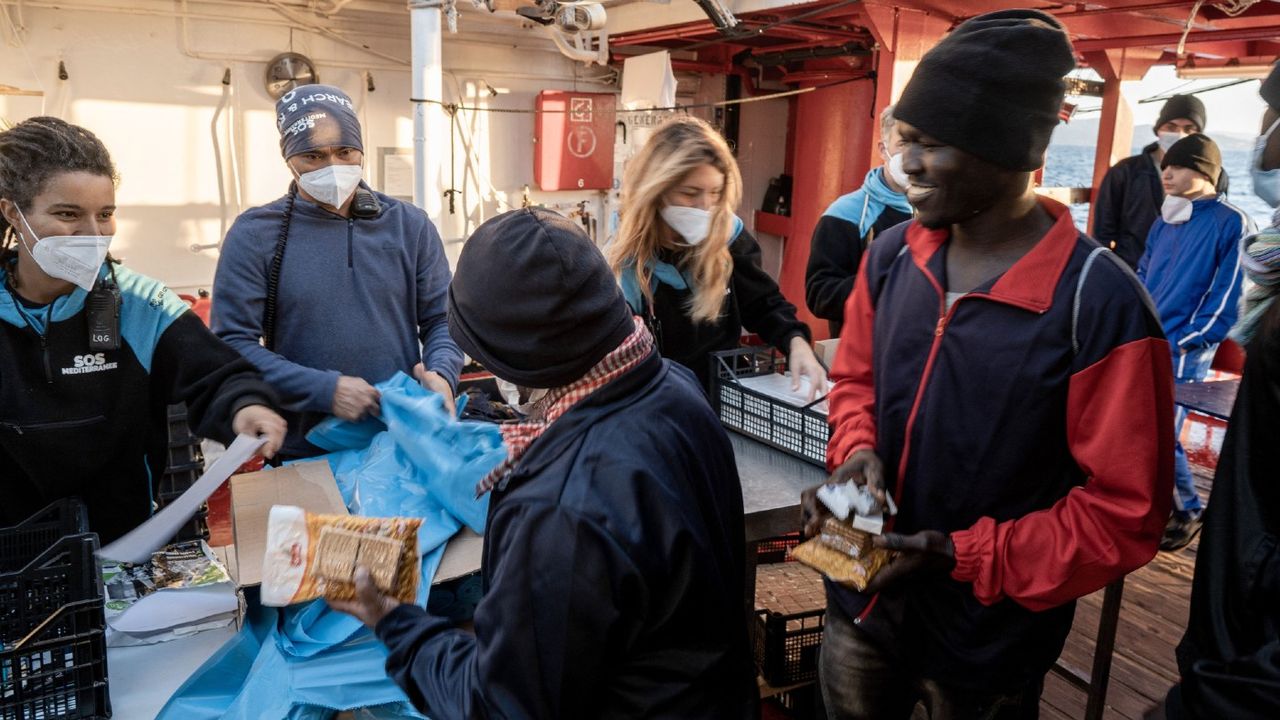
1153, 616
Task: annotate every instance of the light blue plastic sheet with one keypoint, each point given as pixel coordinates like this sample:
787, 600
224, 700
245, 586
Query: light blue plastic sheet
307, 661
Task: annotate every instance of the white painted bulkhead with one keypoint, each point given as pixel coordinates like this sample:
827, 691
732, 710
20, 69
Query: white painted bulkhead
146, 76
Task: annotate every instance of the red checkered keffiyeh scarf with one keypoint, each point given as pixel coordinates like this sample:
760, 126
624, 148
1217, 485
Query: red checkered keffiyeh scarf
519, 436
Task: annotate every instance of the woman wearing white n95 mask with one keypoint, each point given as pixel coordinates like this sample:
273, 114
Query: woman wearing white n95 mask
91, 353
686, 264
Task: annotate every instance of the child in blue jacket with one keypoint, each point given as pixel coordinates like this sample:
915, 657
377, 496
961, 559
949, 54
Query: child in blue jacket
1191, 267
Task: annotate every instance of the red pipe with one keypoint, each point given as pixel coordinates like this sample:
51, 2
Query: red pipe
748, 82
682, 32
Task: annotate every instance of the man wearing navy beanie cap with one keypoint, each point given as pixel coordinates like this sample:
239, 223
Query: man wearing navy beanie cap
1130, 195
985, 344
613, 551
334, 287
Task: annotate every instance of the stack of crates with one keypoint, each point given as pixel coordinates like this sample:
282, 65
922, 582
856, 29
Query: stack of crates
185, 465
53, 653
790, 611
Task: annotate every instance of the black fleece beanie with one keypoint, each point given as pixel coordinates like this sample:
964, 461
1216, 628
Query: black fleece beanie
993, 87
1270, 90
1198, 152
534, 301
1188, 107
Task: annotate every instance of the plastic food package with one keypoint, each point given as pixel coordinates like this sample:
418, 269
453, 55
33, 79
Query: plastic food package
843, 554
310, 556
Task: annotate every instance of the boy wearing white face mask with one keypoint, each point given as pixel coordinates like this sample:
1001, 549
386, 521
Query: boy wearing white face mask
333, 287
1191, 267
847, 227
1129, 197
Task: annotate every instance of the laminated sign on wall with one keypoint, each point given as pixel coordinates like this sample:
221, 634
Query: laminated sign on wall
574, 136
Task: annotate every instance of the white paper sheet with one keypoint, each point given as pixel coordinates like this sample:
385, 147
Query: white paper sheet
777, 385
150, 536
166, 609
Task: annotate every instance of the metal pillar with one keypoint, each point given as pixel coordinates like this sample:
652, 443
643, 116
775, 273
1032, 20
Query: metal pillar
428, 118
1115, 129
833, 127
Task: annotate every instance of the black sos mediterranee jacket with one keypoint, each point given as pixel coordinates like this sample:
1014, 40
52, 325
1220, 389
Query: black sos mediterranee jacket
94, 424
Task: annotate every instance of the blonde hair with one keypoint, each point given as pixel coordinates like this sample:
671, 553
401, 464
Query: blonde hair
676, 148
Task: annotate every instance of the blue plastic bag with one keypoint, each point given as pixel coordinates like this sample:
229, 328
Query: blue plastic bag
306, 661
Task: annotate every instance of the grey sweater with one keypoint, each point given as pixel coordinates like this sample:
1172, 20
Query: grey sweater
358, 297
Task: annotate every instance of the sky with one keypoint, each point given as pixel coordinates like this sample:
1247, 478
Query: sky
1236, 109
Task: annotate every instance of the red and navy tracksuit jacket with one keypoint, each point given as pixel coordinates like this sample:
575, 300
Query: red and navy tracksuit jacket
1031, 421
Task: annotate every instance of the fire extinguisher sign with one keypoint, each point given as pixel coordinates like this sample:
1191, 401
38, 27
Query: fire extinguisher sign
581, 141
580, 110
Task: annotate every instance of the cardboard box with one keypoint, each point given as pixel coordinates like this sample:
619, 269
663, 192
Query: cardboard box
309, 486
462, 556
826, 351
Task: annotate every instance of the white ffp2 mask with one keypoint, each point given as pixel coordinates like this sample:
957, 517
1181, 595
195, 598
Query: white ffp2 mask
692, 224
331, 185
73, 258
1266, 183
1175, 210
900, 176
1166, 140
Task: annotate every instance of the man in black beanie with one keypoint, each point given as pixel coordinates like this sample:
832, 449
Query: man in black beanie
1191, 267
613, 560
1128, 200
1003, 377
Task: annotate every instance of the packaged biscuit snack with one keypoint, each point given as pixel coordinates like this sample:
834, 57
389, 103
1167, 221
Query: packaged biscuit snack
309, 556
843, 553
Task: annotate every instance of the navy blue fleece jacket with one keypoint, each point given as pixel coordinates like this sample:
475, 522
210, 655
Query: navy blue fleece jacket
357, 297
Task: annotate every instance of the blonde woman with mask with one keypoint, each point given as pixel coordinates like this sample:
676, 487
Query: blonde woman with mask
687, 265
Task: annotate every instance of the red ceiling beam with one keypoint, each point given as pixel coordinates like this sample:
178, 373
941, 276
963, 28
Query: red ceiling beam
1255, 33
1068, 14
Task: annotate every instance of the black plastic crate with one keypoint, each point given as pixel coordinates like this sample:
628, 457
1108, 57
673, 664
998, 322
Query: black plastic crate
177, 480
787, 646
790, 614
53, 654
22, 543
185, 454
776, 549
179, 430
801, 431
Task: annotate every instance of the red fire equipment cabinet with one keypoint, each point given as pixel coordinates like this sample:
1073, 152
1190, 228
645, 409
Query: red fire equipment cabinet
574, 136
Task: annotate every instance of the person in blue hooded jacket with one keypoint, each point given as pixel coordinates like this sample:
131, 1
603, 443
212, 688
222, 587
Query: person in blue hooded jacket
849, 225
92, 353
333, 287
1191, 267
